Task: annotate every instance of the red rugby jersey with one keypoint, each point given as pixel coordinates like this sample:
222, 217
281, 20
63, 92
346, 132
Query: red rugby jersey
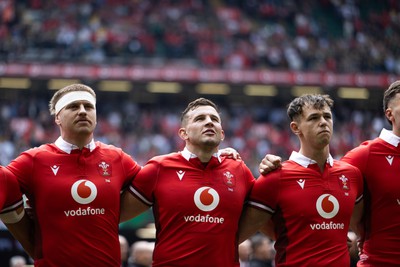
196, 208
10, 194
311, 210
379, 162
76, 200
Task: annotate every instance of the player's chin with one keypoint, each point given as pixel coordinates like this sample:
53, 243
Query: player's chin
325, 141
86, 129
212, 142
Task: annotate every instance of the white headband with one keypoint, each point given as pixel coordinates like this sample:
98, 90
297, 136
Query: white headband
74, 96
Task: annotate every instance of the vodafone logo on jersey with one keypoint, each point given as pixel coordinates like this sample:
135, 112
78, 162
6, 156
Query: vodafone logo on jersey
206, 198
327, 206
83, 191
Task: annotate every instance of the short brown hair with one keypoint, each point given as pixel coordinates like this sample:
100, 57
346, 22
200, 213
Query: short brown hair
195, 104
389, 94
318, 101
65, 90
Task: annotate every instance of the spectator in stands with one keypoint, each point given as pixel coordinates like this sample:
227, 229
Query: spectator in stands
124, 247
17, 261
339, 36
263, 251
141, 254
245, 252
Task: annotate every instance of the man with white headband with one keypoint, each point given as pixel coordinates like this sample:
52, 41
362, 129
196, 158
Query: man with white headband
73, 186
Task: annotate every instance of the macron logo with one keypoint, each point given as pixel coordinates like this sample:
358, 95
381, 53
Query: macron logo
389, 159
301, 183
180, 174
55, 168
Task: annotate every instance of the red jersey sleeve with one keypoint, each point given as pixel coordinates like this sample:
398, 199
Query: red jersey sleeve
10, 195
131, 168
358, 156
22, 168
265, 192
144, 182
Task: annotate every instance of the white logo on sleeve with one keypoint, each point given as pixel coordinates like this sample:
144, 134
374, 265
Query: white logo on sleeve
206, 198
327, 206
83, 191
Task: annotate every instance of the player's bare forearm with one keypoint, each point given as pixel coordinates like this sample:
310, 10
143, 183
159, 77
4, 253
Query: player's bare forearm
252, 220
131, 207
356, 224
23, 231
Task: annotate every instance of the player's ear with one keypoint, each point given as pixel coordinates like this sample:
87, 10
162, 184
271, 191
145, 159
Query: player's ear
294, 127
389, 114
57, 120
182, 134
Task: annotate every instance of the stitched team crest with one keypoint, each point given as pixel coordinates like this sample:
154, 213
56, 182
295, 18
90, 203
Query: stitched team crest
104, 168
229, 179
344, 183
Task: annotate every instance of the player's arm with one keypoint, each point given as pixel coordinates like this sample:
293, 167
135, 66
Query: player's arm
356, 224
268, 229
251, 221
21, 227
131, 206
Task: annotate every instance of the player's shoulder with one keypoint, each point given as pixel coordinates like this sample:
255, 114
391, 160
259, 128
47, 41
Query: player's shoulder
345, 166
369, 143
102, 145
291, 165
45, 148
167, 158
232, 162
108, 149
362, 152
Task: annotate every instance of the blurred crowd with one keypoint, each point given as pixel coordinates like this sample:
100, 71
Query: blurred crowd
305, 35
137, 254
144, 132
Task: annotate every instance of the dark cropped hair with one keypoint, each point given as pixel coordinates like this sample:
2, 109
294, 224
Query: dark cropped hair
195, 104
295, 108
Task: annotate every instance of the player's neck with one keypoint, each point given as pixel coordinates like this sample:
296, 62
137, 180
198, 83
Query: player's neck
204, 154
79, 141
319, 155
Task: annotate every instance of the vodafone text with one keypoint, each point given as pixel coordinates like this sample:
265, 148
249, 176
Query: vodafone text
84, 212
327, 226
203, 218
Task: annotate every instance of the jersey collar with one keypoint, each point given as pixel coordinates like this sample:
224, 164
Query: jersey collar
304, 161
389, 137
188, 155
67, 147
